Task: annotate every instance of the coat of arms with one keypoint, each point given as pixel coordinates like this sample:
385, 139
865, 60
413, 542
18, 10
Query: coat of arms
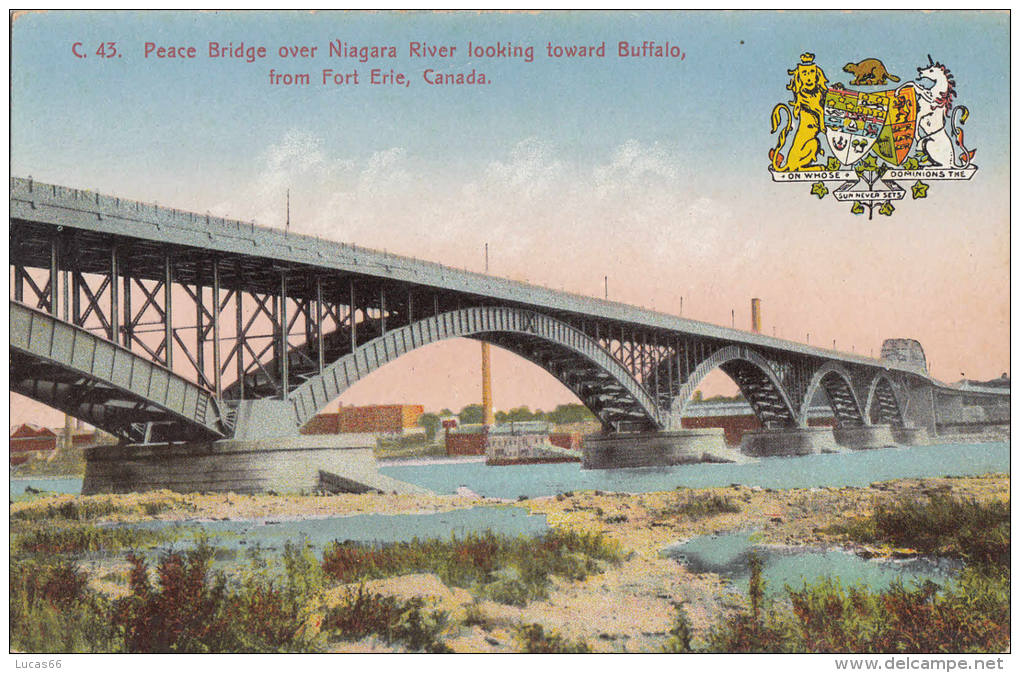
868, 140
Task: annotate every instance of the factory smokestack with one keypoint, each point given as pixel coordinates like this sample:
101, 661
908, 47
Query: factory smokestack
756, 315
487, 416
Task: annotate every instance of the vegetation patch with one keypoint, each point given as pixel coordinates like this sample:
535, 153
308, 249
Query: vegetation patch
408, 623
512, 570
192, 609
696, 506
534, 639
52, 610
969, 614
92, 508
942, 525
66, 538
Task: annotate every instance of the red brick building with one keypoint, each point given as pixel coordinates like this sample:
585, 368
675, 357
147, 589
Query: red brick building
393, 419
27, 438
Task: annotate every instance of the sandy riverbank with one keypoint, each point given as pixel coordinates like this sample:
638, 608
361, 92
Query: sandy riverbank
626, 608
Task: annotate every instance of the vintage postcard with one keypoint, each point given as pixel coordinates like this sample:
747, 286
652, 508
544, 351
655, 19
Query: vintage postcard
510, 332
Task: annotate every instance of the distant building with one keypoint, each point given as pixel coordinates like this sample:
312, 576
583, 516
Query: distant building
28, 439
388, 419
514, 442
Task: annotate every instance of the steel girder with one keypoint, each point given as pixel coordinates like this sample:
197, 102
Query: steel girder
71, 369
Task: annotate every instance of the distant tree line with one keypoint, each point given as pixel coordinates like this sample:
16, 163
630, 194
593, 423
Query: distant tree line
697, 398
561, 415
472, 413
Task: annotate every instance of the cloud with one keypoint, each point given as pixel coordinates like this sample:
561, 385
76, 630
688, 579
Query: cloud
634, 165
532, 203
531, 172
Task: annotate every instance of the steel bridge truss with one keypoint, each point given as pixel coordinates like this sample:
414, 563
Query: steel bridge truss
241, 327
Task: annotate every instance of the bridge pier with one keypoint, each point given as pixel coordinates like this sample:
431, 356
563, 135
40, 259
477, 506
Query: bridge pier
657, 449
788, 442
911, 436
302, 464
864, 436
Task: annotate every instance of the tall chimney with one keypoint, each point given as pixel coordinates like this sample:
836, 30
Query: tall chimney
68, 434
756, 315
487, 416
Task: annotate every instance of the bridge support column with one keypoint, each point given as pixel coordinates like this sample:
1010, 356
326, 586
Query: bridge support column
910, 436
656, 449
788, 442
266, 453
304, 464
864, 436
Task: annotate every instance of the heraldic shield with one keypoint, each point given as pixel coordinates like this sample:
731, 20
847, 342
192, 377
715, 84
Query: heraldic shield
853, 121
897, 136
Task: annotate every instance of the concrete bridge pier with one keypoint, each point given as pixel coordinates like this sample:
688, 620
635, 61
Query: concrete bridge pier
911, 436
266, 454
864, 436
657, 449
801, 441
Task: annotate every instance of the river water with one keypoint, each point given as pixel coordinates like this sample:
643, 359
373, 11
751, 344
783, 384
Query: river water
856, 468
724, 554
728, 555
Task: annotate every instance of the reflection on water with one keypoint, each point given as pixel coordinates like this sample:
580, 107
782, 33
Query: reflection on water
728, 555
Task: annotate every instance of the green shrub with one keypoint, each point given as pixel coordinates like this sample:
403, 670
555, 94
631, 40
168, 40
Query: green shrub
697, 506
943, 525
514, 570
63, 538
52, 610
534, 640
970, 614
679, 633
361, 614
194, 610
510, 588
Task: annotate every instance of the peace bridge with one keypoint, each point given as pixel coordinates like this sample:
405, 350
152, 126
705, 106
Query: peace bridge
204, 344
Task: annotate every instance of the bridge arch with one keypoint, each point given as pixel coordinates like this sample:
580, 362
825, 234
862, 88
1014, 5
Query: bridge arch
572, 357
839, 389
70, 369
756, 379
885, 402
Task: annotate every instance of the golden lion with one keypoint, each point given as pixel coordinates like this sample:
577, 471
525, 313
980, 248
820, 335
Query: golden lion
808, 84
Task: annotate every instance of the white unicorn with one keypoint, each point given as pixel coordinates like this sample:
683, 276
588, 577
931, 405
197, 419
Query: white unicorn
942, 146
